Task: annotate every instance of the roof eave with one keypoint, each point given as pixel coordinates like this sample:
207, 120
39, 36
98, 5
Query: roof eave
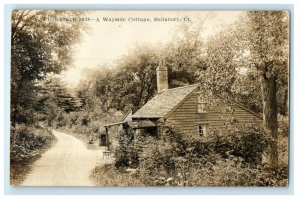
146, 117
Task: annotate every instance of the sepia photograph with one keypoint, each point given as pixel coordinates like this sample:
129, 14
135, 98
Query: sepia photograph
148, 98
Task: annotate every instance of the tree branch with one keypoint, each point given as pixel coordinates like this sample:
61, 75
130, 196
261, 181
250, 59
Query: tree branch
20, 19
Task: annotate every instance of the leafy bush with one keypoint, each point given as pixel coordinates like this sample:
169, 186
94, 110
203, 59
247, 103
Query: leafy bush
225, 158
283, 151
26, 142
230, 172
246, 141
126, 152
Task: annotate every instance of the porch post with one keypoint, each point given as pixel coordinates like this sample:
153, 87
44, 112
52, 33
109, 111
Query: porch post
106, 137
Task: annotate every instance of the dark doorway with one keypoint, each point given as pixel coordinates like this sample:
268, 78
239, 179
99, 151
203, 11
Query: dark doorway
102, 141
151, 131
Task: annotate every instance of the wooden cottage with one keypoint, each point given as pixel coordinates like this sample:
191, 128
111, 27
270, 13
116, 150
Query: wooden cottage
192, 113
188, 108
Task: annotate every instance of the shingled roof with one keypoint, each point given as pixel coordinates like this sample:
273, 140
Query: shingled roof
164, 102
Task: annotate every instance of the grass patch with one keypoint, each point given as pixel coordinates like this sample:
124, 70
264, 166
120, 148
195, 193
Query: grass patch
107, 175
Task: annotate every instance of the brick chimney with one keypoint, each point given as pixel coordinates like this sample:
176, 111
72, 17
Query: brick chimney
162, 76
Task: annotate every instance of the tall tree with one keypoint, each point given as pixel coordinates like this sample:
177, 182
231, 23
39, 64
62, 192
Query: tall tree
130, 84
268, 35
53, 97
53, 89
185, 54
40, 43
255, 49
140, 68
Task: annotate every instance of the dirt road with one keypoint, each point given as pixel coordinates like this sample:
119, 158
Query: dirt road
67, 163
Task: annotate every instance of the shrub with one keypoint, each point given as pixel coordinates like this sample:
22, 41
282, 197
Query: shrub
228, 172
26, 142
229, 158
125, 152
246, 141
283, 151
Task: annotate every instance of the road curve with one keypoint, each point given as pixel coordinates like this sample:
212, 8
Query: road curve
67, 163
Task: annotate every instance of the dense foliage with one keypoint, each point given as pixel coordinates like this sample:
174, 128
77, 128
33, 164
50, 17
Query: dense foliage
228, 64
39, 47
249, 60
231, 157
246, 62
27, 142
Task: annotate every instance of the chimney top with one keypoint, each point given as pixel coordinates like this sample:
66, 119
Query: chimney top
162, 76
162, 63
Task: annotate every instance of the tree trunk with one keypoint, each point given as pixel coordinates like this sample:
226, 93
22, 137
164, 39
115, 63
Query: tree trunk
269, 90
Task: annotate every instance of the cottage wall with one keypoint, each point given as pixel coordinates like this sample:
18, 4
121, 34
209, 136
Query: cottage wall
187, 118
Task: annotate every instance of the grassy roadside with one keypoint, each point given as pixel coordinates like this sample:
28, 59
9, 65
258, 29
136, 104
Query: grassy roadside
106, 175
19, 170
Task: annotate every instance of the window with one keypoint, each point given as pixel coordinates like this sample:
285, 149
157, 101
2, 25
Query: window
202, 105
202, 130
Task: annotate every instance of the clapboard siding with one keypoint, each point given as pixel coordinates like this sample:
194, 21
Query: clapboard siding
186, 118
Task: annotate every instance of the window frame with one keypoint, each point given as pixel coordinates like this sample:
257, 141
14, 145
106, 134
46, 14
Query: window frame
203, 127
201, 103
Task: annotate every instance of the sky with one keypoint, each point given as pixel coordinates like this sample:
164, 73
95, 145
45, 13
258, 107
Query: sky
107, 41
